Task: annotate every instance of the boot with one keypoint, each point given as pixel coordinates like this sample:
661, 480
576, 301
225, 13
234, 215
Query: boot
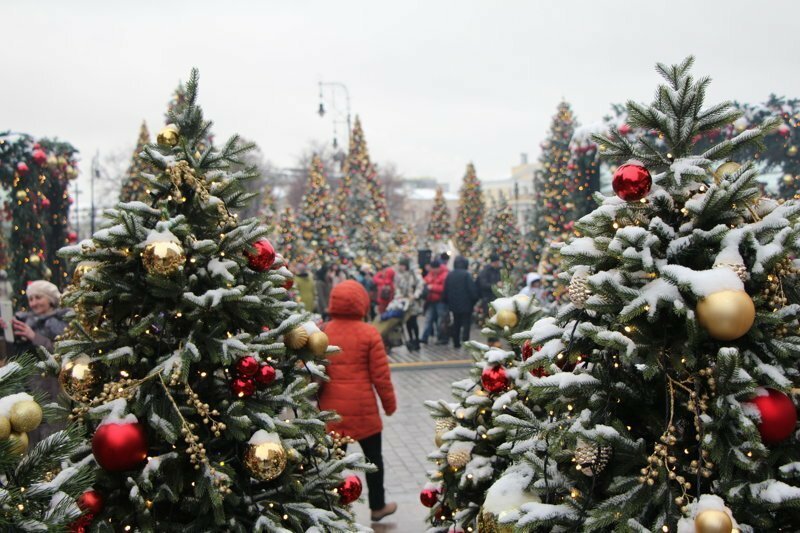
379, 514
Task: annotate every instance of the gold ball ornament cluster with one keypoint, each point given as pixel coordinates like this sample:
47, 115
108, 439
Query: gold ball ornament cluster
592, 458
727, 314
168, 135
82, 268
265, 461
296, 338
506, 318
713, 521
77, 377
317, 343
579, 290
738, 268
24, 416
442, 426
163, 257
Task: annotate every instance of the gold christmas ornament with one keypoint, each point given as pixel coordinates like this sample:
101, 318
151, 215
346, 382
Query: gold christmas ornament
296, 338
443, 425
163, 257
726, 315
77, 377
265, 461
726, 169
5, 427
592, 458
791, 151
488, 523
82, 268
34, 259
579, 290
25, 416
168, 136
458, 456
52, 160
713, 521
21, 195
19, 443
506, 318
317, 343
788, 179
739, 268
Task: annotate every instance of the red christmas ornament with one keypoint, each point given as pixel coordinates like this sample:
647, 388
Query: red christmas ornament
632, 182
91, 501
82, 524
119, 447
45, 202
778, 416
624, 129
494, 379
349, 490
39, 157
22, 168
243, 387
429, 497
265, 375
263, 258
247, 366
527, 350
288, 284
784, 130
36, 146
72, 236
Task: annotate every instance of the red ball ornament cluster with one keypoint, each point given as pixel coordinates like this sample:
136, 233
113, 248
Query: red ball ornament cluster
120, 446
429, 497
91, 503
22, 168
632, 181
39, 157
349, 490
778, 416
263, 257
494, 379
250, 373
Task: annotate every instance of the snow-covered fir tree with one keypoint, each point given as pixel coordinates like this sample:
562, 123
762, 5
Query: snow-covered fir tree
132, 187
666, 396
469, 215
319, 218
500, 235
289, 238
439, 219
191, 369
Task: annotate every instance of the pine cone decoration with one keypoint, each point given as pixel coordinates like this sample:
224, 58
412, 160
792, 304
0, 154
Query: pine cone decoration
739, 268
592, 458
579, 290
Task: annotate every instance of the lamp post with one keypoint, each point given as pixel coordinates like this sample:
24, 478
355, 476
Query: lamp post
332, 89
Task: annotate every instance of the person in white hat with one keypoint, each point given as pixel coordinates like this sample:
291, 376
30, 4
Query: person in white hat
533, 286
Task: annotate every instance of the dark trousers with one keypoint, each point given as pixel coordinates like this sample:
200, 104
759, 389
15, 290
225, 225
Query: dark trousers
371, 446
413, 328
460, 327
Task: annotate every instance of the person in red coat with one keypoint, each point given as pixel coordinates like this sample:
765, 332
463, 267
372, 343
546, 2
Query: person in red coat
384, 284
437, 308
357, 372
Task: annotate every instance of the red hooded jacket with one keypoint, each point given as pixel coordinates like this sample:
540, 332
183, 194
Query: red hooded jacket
384, 283
359, 370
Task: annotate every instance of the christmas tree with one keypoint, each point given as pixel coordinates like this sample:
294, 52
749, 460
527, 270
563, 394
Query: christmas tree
362, 202
469, 216
439, 221
501, 236
289, 239
319, 219
668, 401
188, 364
467, 462
37, 493
553, 186
133, 188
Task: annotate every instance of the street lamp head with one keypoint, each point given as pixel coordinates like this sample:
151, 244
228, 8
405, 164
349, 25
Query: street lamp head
335, 143
321, 109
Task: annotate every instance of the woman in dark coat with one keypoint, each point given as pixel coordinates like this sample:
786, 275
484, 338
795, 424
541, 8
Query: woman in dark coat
460, 293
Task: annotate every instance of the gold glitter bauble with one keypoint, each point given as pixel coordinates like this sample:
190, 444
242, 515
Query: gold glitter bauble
296, 338
725, 169
77, 377
5, 427
739, 268
82, 268
317, 343
168, 136
19, 443
21, 194
592, 458
265, 461
713, 521
25, 416
726, 315
579, 290
163, 257
458, 458
506, 318
791, 151
487, 523
788, 179
34, 259
443, 425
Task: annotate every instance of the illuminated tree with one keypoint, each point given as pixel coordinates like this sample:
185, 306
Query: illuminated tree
469, 216
439, 221
319, 220
133, 188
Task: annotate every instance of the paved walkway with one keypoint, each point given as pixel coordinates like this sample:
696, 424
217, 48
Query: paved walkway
408, 434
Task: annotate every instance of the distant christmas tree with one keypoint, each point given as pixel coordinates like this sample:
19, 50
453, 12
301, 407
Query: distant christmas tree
554, 189
362, 202
133, 188
289, 239
439, 222
501, 236
319, 220
469, 217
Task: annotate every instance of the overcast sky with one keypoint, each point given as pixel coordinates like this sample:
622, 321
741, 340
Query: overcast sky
437, 84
